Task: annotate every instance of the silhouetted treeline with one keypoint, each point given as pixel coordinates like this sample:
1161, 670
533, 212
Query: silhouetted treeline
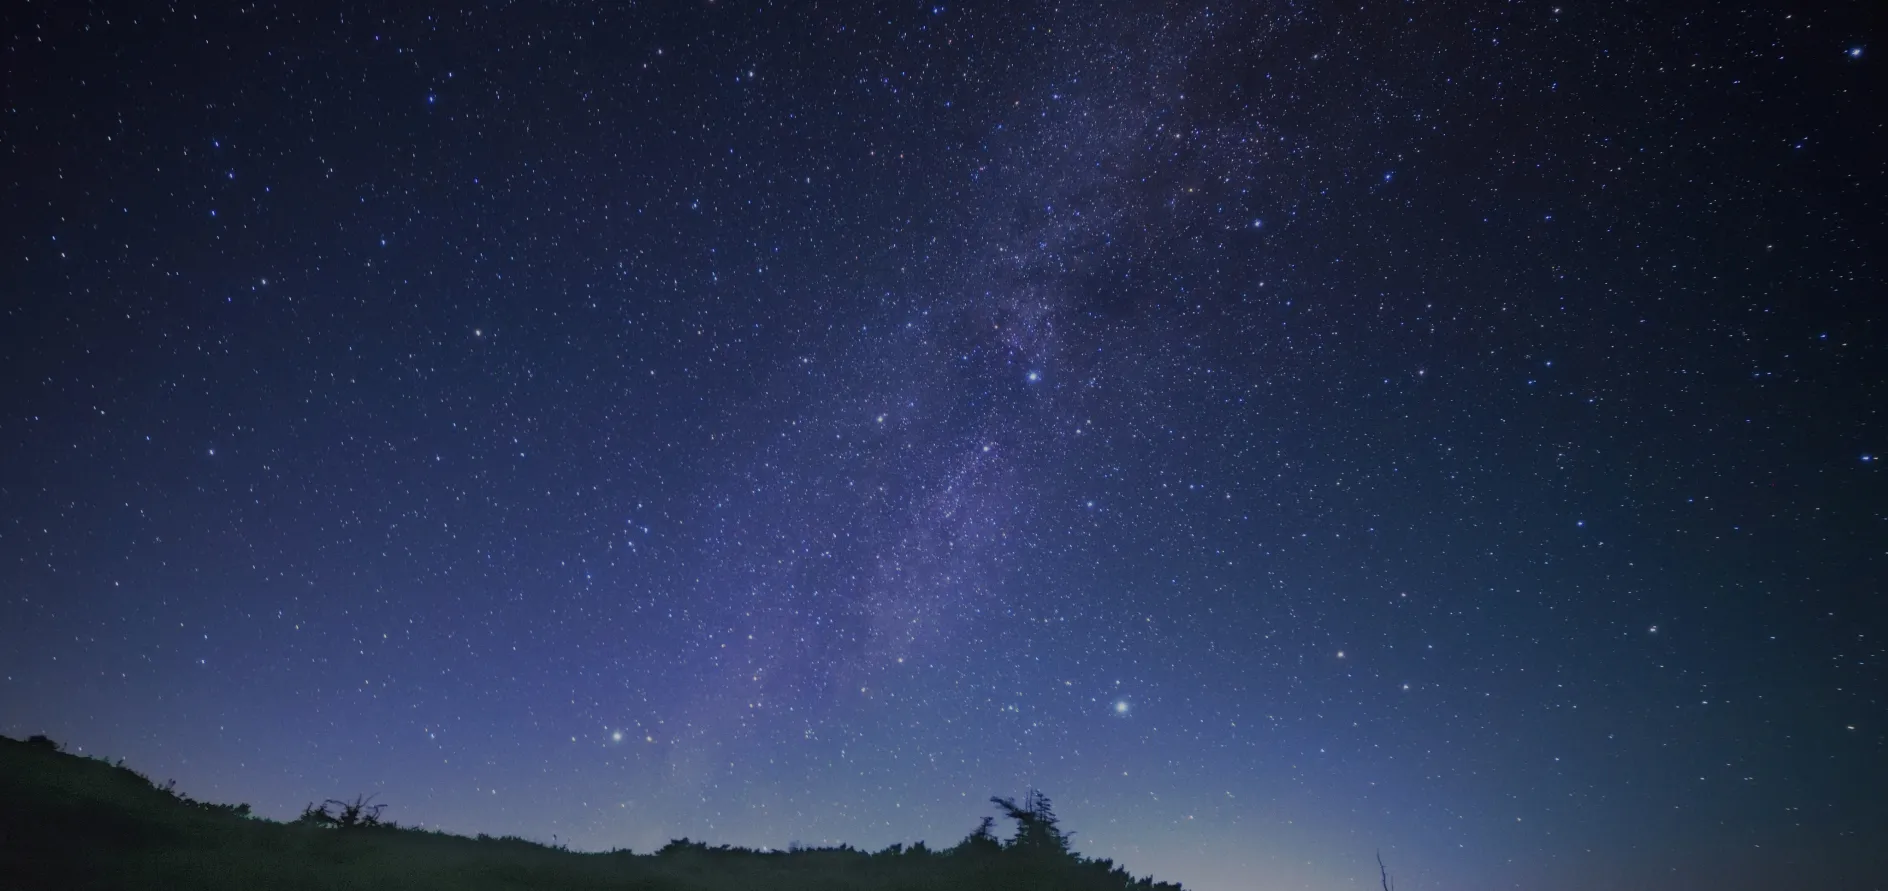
73, 822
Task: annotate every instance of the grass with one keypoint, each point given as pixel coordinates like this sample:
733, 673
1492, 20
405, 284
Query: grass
70, 822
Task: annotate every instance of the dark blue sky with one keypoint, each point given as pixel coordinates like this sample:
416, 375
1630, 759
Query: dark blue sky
1280, 432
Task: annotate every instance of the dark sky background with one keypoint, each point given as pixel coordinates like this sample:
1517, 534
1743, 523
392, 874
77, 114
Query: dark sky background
1279, 431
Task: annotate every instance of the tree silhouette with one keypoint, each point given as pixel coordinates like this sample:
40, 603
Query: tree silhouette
981, 840
1036, 825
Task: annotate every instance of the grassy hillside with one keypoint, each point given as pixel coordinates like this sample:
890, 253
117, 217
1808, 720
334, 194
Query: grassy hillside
71, 822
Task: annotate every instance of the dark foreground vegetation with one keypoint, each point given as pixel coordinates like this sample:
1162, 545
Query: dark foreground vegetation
73, 822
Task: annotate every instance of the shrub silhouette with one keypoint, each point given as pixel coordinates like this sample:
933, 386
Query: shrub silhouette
357, 814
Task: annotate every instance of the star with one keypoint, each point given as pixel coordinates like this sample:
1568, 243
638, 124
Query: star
677, 500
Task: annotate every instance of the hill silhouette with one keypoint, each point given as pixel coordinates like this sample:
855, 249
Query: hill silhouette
72, 822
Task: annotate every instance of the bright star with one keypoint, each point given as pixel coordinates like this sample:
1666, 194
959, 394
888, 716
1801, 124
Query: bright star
1121, 707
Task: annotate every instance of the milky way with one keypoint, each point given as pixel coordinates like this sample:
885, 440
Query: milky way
1279, 433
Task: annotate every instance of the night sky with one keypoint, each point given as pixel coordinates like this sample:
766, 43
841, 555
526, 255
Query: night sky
1280, 432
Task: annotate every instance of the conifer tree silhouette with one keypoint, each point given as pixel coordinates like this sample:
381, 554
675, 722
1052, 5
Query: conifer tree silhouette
1037, 831
981, 840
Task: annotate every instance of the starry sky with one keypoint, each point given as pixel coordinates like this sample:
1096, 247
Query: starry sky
1279, 431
